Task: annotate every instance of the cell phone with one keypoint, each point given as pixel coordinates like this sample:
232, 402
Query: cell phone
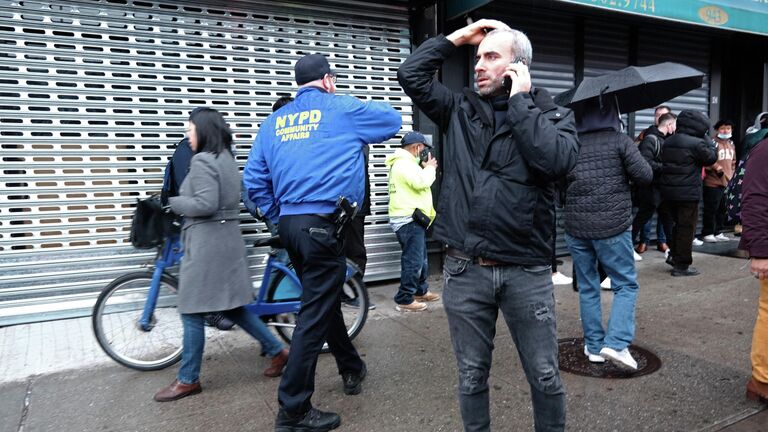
508, 80
424, 155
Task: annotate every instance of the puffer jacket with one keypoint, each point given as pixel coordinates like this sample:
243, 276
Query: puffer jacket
496, 199
598, 203
683, 156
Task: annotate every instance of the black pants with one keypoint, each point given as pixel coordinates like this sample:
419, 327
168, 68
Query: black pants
319, 261
354, 243
648, 200
684, 215
713, 216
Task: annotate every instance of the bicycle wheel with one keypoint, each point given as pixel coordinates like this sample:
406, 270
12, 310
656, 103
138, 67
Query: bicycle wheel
354, 305
116, 326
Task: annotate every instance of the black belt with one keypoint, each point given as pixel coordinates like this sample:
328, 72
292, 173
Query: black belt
484, 262
326, 216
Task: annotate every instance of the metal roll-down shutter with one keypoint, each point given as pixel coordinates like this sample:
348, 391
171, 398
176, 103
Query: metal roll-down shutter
94, 94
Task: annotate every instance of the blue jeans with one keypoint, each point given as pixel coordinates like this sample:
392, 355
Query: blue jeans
645, 233
194, 340
473, 295
615, 255
413, 263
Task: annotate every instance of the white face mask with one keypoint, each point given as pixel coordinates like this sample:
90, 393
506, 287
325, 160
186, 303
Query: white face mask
724, 136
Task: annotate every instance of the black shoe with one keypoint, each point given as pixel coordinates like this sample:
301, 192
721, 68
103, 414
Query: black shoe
688, 271
670, 261
313, 420
218, 320
353, 381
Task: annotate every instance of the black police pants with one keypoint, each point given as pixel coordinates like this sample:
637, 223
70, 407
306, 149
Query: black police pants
683, 215
319, 261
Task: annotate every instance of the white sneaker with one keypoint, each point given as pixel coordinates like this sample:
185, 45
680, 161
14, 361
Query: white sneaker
606, 284
620, 358
709, 239
637, 256
723, 238
594, 358
666, 254
561, 279
697, 242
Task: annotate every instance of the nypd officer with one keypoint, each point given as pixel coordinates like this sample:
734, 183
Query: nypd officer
306, 155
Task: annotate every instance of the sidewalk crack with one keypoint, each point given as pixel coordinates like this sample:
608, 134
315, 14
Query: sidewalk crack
25, 409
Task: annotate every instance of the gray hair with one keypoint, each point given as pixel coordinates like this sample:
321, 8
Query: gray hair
520, 44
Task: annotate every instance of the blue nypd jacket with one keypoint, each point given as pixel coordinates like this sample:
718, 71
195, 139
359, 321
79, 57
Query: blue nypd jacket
310, 152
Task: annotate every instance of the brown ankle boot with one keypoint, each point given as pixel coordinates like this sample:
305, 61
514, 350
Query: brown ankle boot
278, 363
757, 390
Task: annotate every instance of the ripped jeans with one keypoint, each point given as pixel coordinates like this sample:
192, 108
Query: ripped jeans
473, 296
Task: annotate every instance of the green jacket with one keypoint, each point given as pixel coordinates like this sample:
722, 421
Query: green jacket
409, 185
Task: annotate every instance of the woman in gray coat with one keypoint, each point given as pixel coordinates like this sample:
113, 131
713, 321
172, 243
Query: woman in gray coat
214, 271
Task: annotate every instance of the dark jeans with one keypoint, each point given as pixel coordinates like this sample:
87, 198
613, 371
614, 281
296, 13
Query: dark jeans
648, 200
354, 243
413, 263
713, 216
684, 215
319, 261
473, 295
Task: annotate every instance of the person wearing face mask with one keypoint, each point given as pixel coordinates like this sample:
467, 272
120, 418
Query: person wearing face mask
648, 197
715, 180
410, 214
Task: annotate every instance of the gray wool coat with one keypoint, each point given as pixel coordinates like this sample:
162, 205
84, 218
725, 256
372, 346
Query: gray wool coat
214, 272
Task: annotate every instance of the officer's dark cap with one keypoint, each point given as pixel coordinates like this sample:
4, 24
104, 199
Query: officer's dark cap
414, 137
311, 67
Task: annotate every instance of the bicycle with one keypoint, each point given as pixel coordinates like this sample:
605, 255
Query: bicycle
136, 323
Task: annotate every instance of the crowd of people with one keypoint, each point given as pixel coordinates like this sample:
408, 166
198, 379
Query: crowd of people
509, 155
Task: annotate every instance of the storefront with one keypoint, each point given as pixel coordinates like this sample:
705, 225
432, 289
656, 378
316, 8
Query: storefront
94, 95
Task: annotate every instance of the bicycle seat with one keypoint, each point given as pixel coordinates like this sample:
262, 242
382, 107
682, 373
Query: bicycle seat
273, 242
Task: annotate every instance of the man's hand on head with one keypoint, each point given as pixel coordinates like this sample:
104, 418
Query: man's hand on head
474, 33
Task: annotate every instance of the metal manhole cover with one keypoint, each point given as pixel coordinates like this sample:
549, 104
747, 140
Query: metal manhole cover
573, 360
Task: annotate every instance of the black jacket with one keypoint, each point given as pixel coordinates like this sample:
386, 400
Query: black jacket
650, 147
496, 199
683, 156
598, 203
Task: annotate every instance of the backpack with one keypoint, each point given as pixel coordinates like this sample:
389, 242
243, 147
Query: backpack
148, 224
656, 145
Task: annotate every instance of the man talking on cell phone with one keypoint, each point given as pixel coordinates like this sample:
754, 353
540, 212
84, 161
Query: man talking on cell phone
503, 151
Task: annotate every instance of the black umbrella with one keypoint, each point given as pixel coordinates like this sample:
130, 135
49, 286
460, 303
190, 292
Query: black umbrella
636, 87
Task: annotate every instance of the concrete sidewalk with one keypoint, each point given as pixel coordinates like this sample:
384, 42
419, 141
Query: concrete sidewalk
54, 378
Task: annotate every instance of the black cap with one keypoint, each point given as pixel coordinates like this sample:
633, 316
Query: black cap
414, 137
311, 67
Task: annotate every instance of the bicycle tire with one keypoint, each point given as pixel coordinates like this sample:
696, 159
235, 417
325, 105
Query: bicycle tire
115, 321
354, 316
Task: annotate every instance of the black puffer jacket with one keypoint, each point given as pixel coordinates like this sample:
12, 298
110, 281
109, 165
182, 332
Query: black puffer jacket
598, 203
683, 156
496, 199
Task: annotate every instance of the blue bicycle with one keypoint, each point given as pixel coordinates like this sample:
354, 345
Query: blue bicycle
136, 322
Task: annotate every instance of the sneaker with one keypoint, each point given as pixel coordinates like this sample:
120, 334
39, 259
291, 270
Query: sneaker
606, 284
353, 381
723, 238
688, 271
594, 358
413, 307
708, 239
669, 260
313, 420
561, 279
621, 358
427, 297
218, 320
355, 303
637, 256
697, 242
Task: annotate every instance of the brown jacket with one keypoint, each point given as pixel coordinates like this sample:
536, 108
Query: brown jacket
718, 174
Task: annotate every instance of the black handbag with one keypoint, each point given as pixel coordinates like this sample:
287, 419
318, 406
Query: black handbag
148, 224
421, 218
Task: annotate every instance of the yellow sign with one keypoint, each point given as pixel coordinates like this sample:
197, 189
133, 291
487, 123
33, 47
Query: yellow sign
713, 15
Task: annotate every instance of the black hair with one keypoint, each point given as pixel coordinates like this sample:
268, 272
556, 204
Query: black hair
723, 123
213, 134
666, 117
281, 102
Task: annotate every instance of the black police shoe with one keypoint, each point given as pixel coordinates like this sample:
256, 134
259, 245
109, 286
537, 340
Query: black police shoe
353, 381
313, 420
688, 271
